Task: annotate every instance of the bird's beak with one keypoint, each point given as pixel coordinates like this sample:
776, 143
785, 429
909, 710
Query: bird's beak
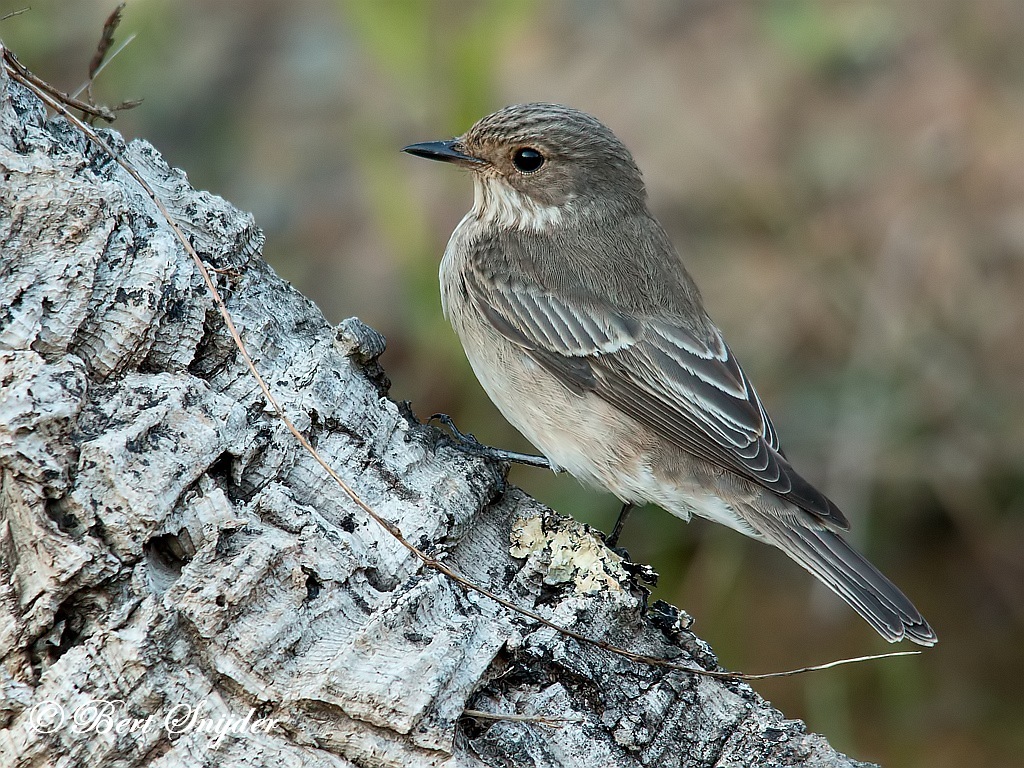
442, 150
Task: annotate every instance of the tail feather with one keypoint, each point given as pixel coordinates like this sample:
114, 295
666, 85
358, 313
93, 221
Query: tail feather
846, 572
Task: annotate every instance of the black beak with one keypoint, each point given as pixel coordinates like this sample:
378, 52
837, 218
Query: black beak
441, 150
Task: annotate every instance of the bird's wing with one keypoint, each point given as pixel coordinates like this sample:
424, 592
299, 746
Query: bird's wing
690, 391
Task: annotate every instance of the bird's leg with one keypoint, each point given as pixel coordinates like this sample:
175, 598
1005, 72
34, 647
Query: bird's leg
643, 572
613, 538
469, 444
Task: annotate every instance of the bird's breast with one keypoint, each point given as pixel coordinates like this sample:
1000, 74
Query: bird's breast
456, 259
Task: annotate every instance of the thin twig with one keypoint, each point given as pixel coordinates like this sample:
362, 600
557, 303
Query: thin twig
53, 97
106, 40
554, 722
100, 60
826, 665
93, 75
55, 100
12, 14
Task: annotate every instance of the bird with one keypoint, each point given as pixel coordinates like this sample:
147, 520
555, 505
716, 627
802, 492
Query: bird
582, 324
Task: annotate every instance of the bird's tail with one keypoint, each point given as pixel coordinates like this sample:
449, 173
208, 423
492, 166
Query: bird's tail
845, 571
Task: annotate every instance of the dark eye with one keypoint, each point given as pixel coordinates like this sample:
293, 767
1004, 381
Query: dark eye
527, 159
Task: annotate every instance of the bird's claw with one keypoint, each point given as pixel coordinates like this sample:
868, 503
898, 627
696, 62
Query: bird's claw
465, 438
467, 443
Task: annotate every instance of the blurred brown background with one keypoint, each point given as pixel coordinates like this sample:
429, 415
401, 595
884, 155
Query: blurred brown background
846, 181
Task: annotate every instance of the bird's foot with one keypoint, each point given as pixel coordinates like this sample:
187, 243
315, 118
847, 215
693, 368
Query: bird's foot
641, 571
467, 443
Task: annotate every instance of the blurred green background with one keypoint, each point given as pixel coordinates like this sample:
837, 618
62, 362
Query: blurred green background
846, 182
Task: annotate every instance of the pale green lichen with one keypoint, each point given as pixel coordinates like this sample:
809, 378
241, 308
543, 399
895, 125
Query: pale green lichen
568, 553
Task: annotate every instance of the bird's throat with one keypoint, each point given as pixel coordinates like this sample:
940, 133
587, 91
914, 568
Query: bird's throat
497, 204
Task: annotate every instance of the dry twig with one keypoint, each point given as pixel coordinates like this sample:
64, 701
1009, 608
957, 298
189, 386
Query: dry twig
106, 40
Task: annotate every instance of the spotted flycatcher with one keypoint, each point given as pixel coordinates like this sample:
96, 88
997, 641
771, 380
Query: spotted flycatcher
589, 335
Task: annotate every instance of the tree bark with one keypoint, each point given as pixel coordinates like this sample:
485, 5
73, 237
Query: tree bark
170, 556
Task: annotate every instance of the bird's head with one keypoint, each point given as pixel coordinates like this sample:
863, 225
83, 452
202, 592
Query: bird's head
533, 163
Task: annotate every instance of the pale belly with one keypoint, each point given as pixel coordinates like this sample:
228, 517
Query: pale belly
587, 437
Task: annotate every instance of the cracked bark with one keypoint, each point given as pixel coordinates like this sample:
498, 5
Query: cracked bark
165, 543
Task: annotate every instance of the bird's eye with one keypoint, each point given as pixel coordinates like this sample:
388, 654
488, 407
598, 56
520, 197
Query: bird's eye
527, 159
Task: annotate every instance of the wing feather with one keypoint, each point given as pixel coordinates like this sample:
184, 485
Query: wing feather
690, 390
